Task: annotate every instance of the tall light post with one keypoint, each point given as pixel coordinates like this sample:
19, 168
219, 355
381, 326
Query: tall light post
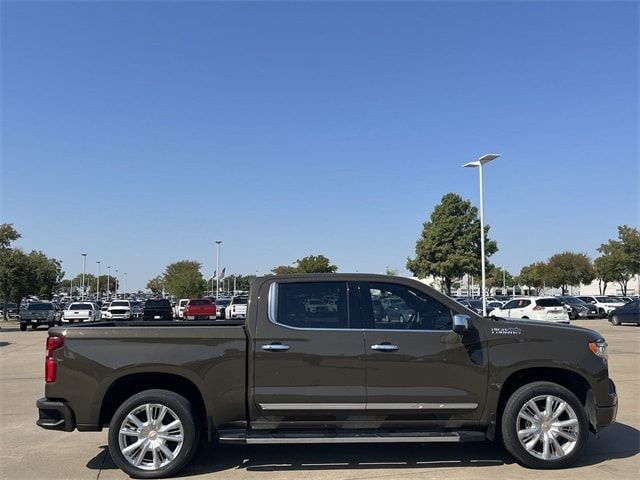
98, 282
108, 278
480, 163
125, 284
218, 243
116, 279
504, 280
84, 268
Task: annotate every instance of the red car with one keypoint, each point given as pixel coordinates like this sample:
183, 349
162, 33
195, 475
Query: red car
200, 309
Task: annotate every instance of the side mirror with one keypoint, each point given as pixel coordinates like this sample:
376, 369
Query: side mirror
461, 323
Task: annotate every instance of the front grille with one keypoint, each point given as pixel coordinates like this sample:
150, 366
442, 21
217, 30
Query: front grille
118, 312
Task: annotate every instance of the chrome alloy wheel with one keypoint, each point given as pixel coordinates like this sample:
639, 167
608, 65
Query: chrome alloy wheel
151, 436
547, 427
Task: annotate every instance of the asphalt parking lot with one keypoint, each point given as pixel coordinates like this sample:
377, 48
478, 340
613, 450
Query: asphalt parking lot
28, 452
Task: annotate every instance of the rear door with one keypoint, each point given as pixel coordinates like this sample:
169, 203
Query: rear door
309, 363
418, 369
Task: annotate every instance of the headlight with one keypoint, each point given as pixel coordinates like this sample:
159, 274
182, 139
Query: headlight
599, 347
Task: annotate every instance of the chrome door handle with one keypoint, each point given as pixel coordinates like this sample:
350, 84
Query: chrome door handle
384, 347
275, 347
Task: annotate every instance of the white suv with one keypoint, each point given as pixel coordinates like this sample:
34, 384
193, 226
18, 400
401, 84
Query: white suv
119, 310
603, 303
534, 308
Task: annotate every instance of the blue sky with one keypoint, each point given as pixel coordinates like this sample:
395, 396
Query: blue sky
141, 132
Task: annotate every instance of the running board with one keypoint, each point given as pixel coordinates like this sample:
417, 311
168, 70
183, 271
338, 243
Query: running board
266, 438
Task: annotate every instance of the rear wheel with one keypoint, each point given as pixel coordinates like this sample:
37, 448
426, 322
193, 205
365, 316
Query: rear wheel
153, 434
615, 320
34, 326
23, 327
544, 425
602, 313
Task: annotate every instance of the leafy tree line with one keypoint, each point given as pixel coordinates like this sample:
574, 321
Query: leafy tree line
91, 283
23, 274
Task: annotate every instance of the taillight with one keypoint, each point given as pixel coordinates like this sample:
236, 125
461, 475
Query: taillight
50, 364
538, 308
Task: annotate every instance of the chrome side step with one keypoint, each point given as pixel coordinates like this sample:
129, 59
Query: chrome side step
266, 438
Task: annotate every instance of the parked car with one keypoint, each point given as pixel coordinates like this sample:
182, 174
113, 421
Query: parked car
11, 309
577, 308
221, 304
449, 375
136, 309
628, 313
119, 310
237, 309
534, 308
36, 314
180, 308
79, 312
603, 303
475, 305
157, 309
200, 309
104, 310
491, 306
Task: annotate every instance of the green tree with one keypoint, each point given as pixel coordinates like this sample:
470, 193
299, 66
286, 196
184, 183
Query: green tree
23, 274
607, 269
156, 284
534, 275
569, 268
183, 279
496, 276
315, 264
449, 246
625, 252
391, 271
284, 270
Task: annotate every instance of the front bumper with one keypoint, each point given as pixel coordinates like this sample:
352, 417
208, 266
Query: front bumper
606, 414
55, 415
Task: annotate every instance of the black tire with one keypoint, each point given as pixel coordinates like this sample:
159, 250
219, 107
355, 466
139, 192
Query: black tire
601, 313
23, 327
615, 320
34, 326
510, 426
525, 318
191, 432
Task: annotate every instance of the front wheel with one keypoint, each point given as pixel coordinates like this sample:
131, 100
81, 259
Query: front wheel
153, 434
615, 320
544, 426
34, 326
602, 313
23, 327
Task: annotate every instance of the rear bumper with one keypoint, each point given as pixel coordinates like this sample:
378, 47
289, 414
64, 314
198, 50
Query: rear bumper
55, 415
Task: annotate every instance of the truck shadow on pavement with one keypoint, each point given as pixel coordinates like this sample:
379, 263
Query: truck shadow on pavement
617, 441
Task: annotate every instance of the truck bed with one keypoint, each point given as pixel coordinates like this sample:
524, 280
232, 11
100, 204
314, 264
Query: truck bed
100, 359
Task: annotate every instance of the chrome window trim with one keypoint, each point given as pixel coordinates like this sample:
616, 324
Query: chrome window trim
272, 306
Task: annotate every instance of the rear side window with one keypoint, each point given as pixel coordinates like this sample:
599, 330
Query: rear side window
239, 301
548, 302
313, 305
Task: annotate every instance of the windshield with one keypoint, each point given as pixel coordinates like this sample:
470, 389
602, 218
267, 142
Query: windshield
608, 300
40, 306
572, 300
183, 302
80, 306
119, 304
223, 303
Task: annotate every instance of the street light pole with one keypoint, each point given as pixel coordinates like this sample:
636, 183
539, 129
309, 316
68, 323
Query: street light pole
116, 279
84, 267
125, 284
480, 163
108, 278
98, 282
218, 242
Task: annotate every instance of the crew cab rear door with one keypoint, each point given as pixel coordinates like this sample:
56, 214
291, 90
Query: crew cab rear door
308, 353
418, 369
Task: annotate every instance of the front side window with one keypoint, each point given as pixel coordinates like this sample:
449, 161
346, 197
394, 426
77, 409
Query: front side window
398, 307
308, 305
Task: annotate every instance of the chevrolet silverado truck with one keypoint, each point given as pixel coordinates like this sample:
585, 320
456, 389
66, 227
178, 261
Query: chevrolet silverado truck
354, 375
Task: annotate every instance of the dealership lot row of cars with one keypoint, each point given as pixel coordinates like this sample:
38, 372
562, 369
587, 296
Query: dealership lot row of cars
562, 309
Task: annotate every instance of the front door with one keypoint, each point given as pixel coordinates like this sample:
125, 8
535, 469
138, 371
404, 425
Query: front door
418, 369
309, 359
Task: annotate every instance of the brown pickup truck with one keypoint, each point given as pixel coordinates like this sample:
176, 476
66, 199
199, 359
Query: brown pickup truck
320, 359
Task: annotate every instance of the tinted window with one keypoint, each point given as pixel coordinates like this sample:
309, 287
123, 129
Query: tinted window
239, 301
80, 306
404, 308
222, 302
548, 302
511, 304
519, 303
200, 302
157, 303
40, 306
119, 304
297, 306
